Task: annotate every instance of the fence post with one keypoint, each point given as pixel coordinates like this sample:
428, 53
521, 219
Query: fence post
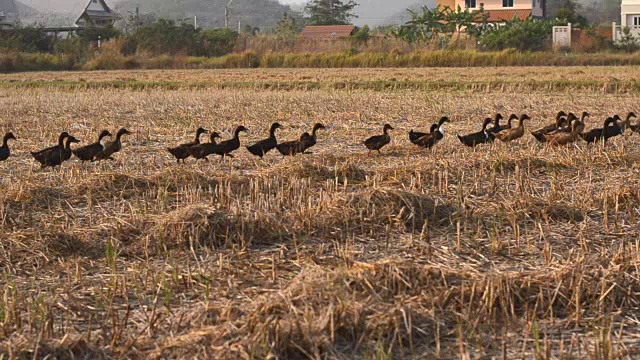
613, 31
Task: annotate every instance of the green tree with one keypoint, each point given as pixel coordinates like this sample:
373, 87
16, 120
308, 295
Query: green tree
568, 11
287, 28
330, 12
362, 35
250, 30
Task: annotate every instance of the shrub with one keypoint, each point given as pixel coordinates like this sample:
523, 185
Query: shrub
527, 35
218, 42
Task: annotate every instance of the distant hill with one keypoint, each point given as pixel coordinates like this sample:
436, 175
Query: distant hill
257, 13
386, 12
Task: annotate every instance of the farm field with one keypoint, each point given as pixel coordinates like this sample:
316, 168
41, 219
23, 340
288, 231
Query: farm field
508, 250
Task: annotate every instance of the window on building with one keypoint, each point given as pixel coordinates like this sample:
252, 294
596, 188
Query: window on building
636, 21
470, 4
507, 3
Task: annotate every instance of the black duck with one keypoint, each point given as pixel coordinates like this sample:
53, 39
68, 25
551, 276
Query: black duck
201, 151
4, 149
481, 137
226, 147
181, 151
311, 140
86, 153
264, 146
59, 155
41, 156
375, 143
112, 147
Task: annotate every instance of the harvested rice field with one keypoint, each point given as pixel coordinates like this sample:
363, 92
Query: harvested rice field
505, 250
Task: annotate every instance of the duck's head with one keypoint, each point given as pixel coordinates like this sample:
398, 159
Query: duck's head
123, 131
387, 127
214, 135
71, 139
486, 123
631, 114
275, 126
609, 121
561, 114
524, 117
513, 117
443, 120
240, 129
318, 126
498, 117
585, 115
9, 136
103, 134
616, 118
201, 131
63, 135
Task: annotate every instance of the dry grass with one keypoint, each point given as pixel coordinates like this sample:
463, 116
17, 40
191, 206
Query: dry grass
506, 251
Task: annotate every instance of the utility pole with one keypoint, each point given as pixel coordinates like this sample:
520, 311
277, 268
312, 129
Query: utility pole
226, 15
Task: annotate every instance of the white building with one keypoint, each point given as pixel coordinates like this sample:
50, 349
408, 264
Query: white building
630, 13
629, 17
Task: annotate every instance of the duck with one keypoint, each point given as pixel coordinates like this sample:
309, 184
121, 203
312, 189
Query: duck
59, 155
627, 123
564, 138
375, 143
560, 121
512, 134
496, 125
201, 151
4, 149
580, 120
41, 156
181, 151
481, 137
501, 128
291, 148
437, 134
614, 129
112, 147
87, 152
311, 140
597, 134
226, 147
262, 147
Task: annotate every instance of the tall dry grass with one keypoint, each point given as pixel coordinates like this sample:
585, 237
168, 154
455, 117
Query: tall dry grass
109, 59
512, 251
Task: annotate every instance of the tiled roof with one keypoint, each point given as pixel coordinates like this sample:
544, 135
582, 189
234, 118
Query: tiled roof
327, 32
506, 15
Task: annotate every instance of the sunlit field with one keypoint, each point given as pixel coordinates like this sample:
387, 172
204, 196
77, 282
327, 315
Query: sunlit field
512, 250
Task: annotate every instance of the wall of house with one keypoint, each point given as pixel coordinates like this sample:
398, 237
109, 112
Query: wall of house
630, 8
536, 6
450, 3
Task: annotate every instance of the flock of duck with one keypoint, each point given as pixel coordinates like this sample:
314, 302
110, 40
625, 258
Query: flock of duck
566, 129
